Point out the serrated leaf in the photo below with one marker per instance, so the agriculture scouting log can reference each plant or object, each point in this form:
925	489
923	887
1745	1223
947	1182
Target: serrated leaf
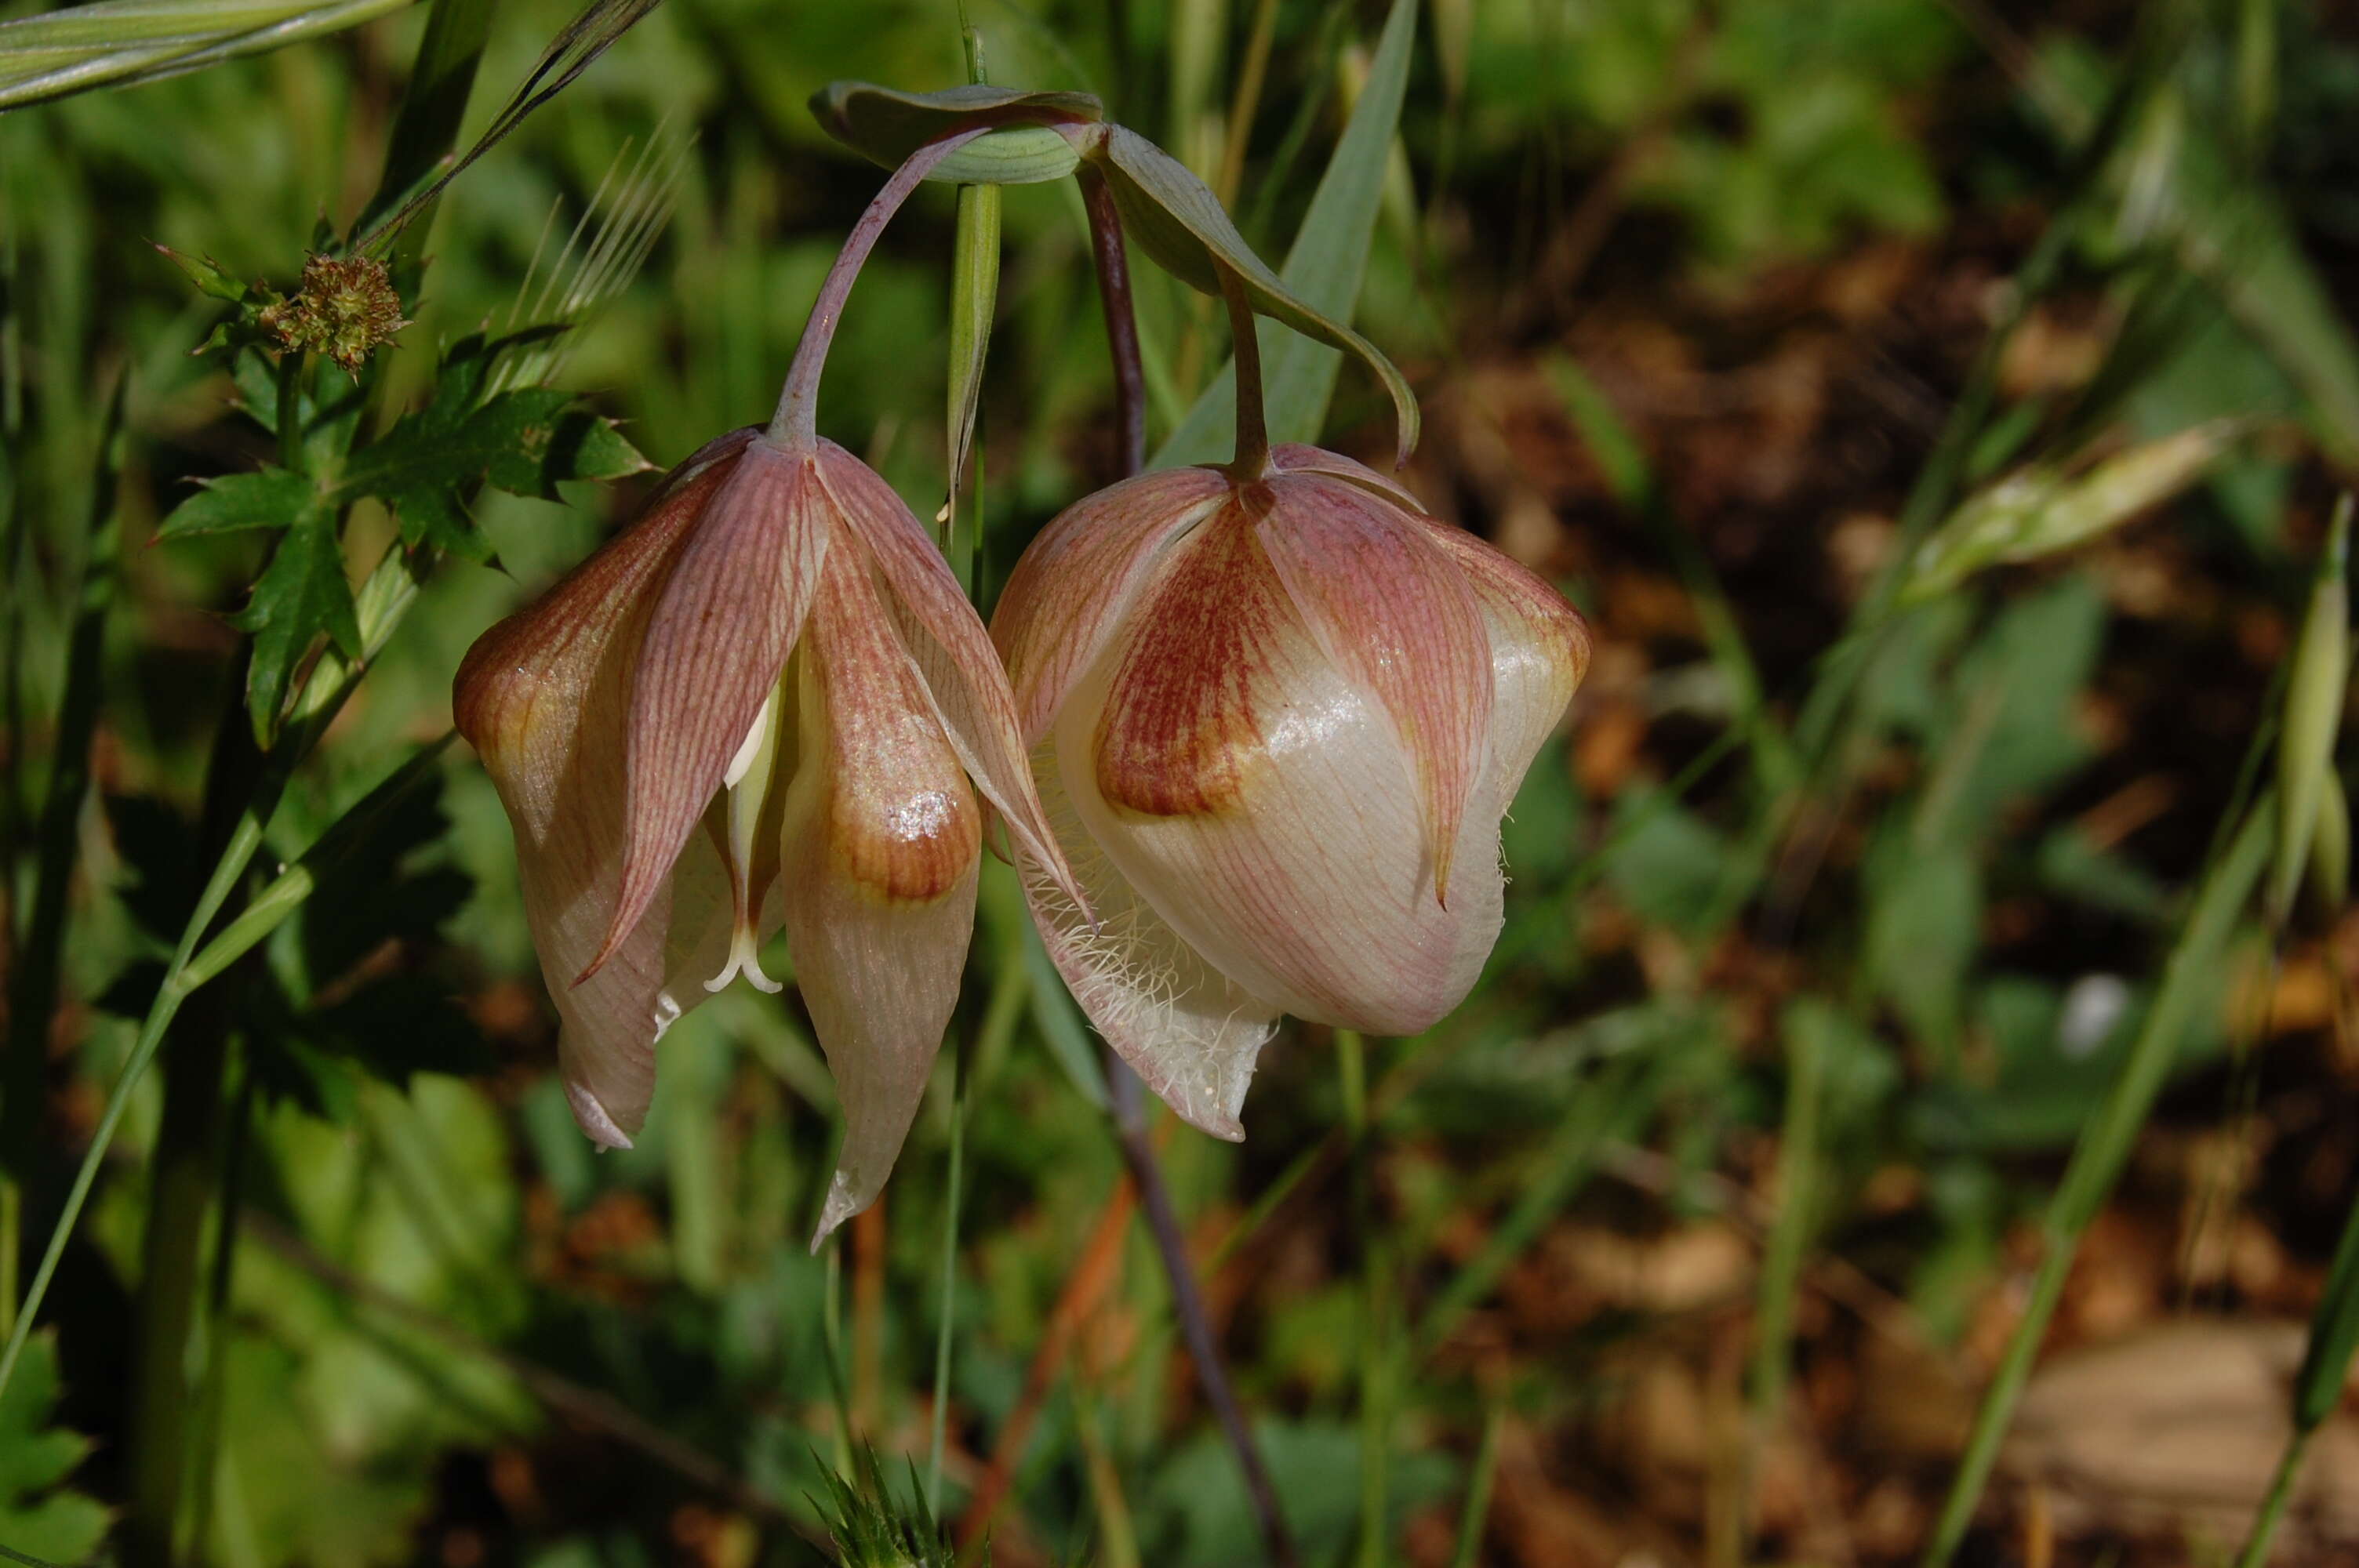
524	441
240	503
541	436
300	595
1323	271
886	126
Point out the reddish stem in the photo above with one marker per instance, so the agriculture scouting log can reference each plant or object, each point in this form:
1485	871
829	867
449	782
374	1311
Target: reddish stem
1122	326
797	420
1253	432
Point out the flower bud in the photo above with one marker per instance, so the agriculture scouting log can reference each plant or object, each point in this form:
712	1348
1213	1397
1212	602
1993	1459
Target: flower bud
1275	721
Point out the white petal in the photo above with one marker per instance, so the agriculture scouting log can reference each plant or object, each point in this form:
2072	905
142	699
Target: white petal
963	679
1261	803
544	697
1189	1032
879	848
1077	577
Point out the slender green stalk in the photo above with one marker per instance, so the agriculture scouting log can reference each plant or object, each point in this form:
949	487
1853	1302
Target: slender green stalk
950	1207
183	1178
245	839
832	1337
2318	1387
2256	1553
1478	1490
33	980
222	1281
2104	1147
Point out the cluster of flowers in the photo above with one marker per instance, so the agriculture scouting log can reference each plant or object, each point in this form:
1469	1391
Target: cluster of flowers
1250	731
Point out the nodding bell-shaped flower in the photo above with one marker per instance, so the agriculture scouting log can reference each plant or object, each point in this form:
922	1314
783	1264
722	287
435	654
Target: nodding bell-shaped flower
768	701
1276	713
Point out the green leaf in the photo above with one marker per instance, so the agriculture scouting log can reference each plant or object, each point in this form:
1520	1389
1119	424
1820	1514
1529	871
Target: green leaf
524	441
974	297
273	498
1322	271
35	1458
301	594
886	126
1925	909
1177	221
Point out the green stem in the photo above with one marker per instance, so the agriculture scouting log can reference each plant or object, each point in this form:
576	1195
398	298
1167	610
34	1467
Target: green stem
2264	1523
831	1338
187	969
33	981
1478	1491
183	1173
2104	1147
222	1281
949	1286
2318	1387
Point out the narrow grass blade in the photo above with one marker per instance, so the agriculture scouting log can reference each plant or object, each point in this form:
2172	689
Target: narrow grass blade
383	603
39	947
974	298
125	43
2313	712
2317	1388
1323	269
1477	1511
569	54
2104	1147
440	80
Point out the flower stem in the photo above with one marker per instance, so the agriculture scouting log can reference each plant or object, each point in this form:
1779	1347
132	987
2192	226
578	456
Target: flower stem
941	1417
1253	430
1121	319
797	421
1187	1305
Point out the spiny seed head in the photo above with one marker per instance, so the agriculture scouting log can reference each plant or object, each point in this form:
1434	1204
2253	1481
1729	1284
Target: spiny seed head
344	310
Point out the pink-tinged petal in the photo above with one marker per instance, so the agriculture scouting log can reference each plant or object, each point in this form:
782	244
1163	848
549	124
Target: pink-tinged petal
728	614
1396	617
1255	798
543	697
945	639
1539	652
1187	1031
1293	457
879	847
1078	578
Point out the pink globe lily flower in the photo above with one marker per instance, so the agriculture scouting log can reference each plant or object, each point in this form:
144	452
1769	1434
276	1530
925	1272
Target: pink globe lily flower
768	701
1276	713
